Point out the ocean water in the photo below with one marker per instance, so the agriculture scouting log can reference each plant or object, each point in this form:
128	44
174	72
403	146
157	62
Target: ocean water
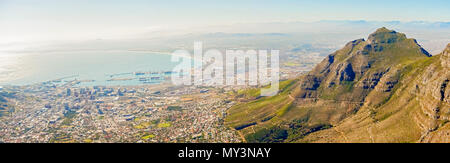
99	67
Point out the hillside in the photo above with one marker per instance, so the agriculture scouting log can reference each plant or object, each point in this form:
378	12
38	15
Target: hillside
5	108
383	89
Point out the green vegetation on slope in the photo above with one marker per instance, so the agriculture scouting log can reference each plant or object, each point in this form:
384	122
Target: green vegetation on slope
262	109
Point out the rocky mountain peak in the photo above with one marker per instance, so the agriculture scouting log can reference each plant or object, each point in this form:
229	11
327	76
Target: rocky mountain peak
384	35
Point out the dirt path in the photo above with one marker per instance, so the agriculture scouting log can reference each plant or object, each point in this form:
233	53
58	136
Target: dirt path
292	98
342	134
242	137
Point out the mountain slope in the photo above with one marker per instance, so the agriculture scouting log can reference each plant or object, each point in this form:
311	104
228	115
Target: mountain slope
418	111
365	84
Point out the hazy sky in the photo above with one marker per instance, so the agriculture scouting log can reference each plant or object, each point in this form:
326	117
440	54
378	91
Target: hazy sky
32	20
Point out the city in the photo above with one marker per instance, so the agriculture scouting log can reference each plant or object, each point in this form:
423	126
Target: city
159	113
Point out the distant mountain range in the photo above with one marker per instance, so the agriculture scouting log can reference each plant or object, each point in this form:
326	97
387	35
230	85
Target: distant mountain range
383	89
281	35
407	23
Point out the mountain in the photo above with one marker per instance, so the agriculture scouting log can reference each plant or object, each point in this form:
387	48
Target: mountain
383	89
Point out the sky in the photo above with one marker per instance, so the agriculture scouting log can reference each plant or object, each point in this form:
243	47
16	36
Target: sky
39	20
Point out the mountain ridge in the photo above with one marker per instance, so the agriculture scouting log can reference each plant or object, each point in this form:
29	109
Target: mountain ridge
359	80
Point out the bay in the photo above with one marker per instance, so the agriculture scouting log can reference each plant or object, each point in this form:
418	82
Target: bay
90	67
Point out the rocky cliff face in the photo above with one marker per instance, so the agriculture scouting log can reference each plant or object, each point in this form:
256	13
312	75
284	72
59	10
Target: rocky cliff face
433	94
445	57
